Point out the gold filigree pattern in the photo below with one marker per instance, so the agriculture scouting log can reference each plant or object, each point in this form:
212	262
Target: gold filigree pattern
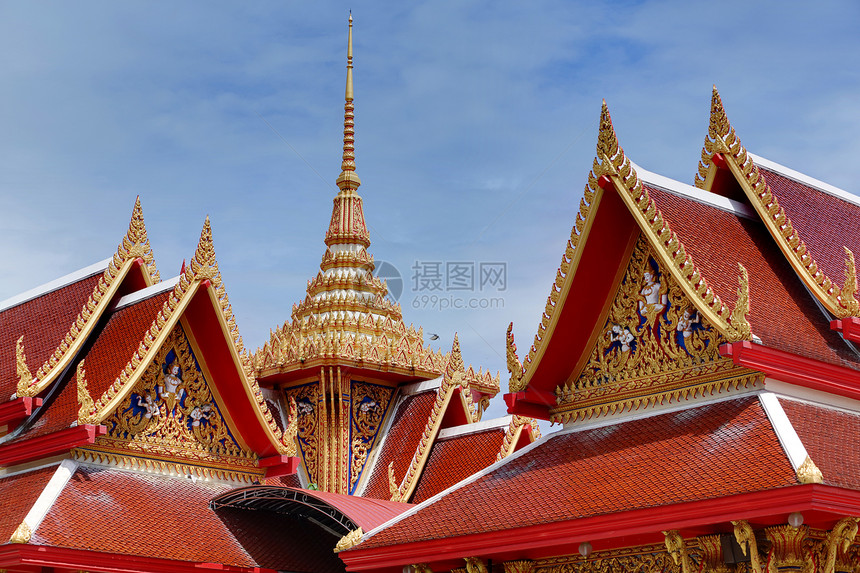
475	565
173	414
721	138
808	472
646	559
654	340
306	400
745	536
523	566
838	540
370	402
612	163
25	378
513	433
134	245
87	412
349	540
22	534
452	380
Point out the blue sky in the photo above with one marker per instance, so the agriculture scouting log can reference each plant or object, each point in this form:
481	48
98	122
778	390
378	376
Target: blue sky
475	131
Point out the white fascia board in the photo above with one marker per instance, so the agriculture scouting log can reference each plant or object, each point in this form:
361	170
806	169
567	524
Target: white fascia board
147	292
693	193
475	427
805	179
785	432
55	284
418	387
49	495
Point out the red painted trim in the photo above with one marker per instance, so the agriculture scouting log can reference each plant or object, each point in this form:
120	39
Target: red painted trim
532	402
719	161
795	369
34	556
16	410
49	444
825	504
850	328
279	465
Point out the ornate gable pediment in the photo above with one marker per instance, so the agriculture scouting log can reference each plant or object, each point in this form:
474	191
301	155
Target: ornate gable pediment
171	420
654	346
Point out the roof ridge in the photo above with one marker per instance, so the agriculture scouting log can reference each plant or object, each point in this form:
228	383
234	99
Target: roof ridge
805	179
694	193
146	293
723	140
475	427
54	285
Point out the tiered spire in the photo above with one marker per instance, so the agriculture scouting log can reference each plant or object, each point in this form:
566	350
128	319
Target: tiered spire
346	318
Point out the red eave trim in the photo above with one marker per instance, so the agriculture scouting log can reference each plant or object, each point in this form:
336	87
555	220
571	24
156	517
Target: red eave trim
849	327
561	537
16	410
21	555
277	466
795	369
50	444
531	402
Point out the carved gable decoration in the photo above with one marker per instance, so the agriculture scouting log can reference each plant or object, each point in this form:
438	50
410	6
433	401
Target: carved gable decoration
306	397
370	402
172	415
322	428
655	346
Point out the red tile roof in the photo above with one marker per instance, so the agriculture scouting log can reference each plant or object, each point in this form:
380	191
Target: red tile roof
825	222
166	517
18	493
400	442
454	459
782	312
726	448
366	512
43	321
825	433
108	355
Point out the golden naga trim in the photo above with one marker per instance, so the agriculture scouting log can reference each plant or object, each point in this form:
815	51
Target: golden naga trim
87	413
203	266
721	138
167	466
839	539
452	379
134	245
677	549
614	164
349	540
808	472
513	433
22	534
25	378
745	536
515	367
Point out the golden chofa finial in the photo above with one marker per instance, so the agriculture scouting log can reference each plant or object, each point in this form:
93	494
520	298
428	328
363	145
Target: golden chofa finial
348	180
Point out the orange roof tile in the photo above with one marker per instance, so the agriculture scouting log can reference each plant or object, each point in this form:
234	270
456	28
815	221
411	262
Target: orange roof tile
43	321
454	459
164	517
782	313
109	354
18	493
727	448
400	442
824	433
825	222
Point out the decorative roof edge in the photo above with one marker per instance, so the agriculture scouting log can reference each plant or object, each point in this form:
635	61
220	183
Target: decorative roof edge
56	284
722	139
805	179
790	441
514	431
203	267
134	245
453	379
611	166
64	472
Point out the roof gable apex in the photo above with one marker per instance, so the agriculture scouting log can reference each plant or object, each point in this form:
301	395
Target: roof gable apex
723	150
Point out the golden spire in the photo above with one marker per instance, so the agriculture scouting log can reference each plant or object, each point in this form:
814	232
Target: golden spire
348	180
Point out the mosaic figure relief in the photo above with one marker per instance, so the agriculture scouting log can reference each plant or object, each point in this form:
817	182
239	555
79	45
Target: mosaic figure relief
172	412
369	404
651	328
